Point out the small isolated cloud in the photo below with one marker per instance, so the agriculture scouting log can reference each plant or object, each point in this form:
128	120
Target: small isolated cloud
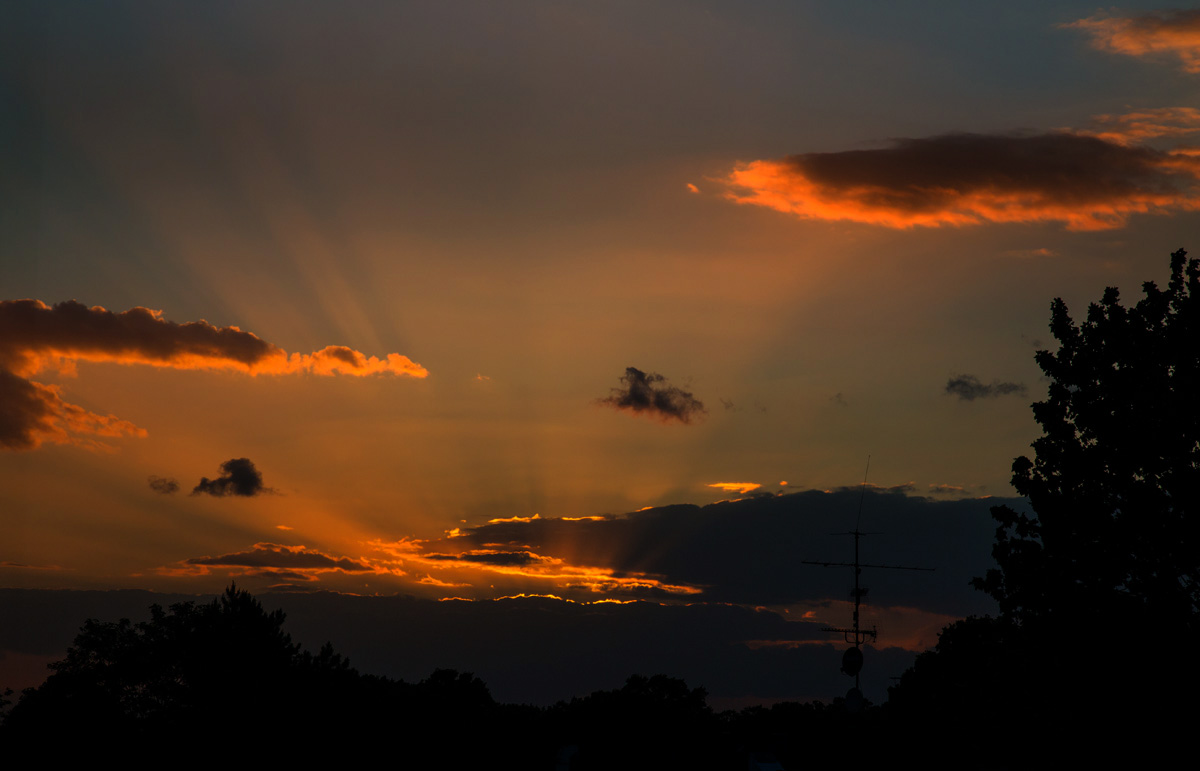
650	394
1083	181
1036	252
692	188
736	487
164	485
1156	33
36	337
969	388
239	477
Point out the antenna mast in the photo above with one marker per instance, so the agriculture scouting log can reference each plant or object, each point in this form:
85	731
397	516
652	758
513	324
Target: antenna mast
852	659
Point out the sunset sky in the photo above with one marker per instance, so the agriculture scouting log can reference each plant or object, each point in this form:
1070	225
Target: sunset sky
434	298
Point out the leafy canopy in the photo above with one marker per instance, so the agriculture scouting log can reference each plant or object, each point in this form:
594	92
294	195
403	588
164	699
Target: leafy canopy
1115	480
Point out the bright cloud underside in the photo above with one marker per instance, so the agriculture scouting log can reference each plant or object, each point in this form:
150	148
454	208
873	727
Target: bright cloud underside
736	487
35	337
1082	180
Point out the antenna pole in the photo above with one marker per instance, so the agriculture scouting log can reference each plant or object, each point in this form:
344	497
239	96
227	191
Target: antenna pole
852	660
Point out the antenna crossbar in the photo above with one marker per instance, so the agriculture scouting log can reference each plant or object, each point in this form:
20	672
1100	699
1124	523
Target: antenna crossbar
862	565
857	636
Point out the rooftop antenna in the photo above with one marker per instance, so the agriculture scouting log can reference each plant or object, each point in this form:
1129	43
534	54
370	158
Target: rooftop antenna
852	659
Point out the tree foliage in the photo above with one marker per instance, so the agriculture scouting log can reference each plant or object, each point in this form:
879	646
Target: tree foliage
186	668
1115	480
201	671
1099	590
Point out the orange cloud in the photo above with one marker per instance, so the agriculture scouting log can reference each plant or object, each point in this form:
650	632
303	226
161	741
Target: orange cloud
525	564
736	487
431	581
32	413
514	519
1172	33
1134	127
1084	181
35	336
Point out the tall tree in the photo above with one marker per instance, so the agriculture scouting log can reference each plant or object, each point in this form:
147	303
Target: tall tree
1099	590
1115	480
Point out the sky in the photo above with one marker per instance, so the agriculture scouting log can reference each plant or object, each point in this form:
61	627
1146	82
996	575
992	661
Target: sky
601	302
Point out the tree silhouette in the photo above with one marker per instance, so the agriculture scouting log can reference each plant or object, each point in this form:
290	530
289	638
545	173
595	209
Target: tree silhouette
228	669
192	668
1099	591
1115	480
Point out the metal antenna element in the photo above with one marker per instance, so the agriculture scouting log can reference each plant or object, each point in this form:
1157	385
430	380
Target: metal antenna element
852	660
862	493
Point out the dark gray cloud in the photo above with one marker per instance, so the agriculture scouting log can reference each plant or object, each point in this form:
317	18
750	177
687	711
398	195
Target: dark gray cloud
272	555
282	575
1033	342
490	557
164	485
540	650
650	394
969	388
1086	182
750	550
240	477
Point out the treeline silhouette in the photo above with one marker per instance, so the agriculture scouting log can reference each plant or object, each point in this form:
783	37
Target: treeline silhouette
228	668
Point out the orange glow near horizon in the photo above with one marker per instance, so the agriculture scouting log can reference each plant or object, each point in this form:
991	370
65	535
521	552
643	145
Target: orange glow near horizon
899	626
534	566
